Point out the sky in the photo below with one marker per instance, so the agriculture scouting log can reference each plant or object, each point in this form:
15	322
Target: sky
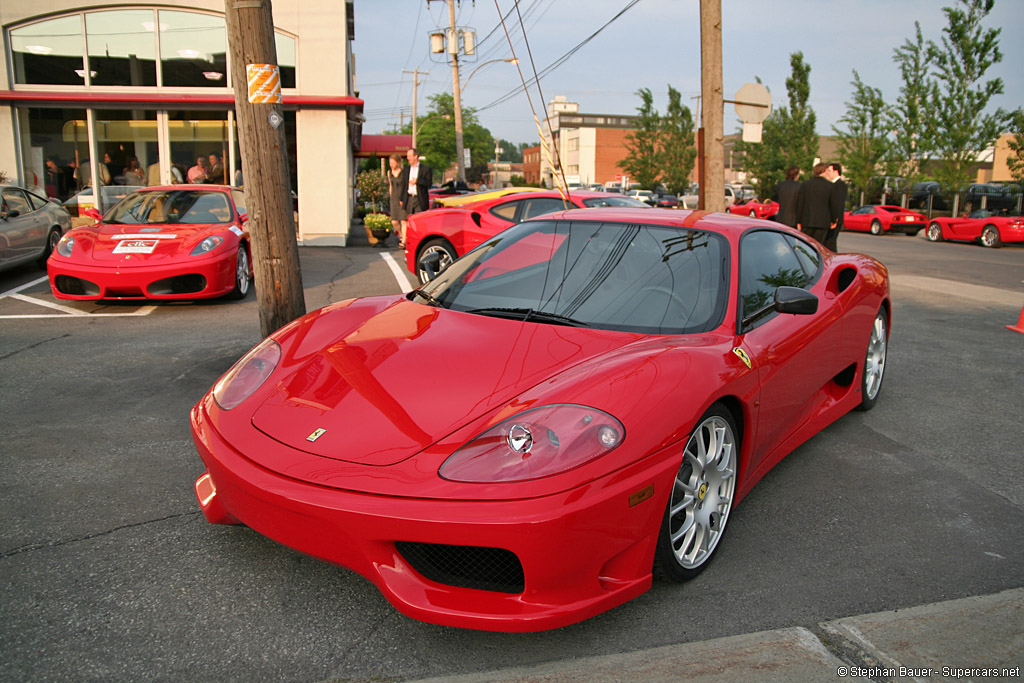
653	44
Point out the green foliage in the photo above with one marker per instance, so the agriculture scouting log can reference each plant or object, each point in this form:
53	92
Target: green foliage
863	144
435	135
377	221
788	136
911	144
373	187
517	181
958	95
677	151
1016	162
641	163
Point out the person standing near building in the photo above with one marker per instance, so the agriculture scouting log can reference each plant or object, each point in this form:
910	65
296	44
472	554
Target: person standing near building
816	206
834	173
397	193
418	179
785	195
215	174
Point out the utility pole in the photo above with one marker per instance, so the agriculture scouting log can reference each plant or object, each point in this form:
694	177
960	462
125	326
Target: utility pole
415	99
712	182
453	50
275	254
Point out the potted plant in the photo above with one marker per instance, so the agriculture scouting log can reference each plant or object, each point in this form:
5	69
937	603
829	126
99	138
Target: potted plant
379	226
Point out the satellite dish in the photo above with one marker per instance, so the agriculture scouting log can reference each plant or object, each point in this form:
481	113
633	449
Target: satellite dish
753	103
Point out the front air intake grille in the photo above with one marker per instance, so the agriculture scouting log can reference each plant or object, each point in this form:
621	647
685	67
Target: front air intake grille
464	566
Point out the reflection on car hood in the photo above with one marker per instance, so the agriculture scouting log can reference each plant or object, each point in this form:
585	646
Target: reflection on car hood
135	244
386	378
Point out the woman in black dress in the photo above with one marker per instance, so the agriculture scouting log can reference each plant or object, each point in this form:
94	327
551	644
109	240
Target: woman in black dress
398	194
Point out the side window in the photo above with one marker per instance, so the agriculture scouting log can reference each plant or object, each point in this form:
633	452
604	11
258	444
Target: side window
863	210
15	200
538	206
769	260
239	198
37	201
506	210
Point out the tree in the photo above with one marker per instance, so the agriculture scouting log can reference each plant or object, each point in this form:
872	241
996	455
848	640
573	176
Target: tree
641	162
959	97
677	151
435	134
862	144
911	144
788	136
1016	162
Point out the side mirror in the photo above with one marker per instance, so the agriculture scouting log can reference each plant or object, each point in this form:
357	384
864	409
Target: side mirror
13	213
432	264
796	301
93	214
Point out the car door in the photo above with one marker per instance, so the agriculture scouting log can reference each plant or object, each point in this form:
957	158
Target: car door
966	228
24	228
794	355
859	219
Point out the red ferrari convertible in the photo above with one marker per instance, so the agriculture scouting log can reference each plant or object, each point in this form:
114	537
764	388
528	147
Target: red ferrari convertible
990	228
879	218
614	382
448	233
175	242
755	209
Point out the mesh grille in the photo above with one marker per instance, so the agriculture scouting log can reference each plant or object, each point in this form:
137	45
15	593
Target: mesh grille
491	569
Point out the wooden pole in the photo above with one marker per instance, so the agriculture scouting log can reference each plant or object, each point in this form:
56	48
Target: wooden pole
275	254
712	182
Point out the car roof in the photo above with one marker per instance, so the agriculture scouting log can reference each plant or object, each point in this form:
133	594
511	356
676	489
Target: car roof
726	223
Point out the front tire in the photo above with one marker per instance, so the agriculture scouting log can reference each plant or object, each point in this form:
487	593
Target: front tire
876	227
874	362
439	246
243	274
934	232
701	500
990	237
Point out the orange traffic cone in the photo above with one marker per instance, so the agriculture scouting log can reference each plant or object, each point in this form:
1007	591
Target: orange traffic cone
1020	324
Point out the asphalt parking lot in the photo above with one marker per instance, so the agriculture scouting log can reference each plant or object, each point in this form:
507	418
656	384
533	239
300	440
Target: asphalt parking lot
110	572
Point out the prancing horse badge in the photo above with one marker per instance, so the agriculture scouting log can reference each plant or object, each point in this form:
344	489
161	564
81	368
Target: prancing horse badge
316	435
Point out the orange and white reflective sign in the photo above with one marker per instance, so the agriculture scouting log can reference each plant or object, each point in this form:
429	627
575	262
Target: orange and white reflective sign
264	83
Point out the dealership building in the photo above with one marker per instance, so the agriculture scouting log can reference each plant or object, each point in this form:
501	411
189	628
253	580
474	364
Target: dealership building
88	84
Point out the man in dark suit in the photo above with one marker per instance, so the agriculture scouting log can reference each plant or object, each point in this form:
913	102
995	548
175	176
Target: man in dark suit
785	195
834	174
817	209
418	179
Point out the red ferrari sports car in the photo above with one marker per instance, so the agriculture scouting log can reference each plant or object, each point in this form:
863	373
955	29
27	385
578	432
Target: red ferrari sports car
615	381
448	233
877	219
174	242
755	209
991	229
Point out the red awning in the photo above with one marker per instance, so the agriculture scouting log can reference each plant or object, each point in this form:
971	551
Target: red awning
384	145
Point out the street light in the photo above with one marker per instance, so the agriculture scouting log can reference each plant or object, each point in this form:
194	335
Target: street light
511	60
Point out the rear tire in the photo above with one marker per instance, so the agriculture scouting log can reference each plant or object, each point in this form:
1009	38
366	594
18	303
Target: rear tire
437	245
51	243
990	237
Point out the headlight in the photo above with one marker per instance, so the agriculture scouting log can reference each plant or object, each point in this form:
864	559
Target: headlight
247	375
66	245
208	244
536	443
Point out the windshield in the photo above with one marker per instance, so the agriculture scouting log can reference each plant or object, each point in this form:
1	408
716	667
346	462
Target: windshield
614	200
171	207
606	275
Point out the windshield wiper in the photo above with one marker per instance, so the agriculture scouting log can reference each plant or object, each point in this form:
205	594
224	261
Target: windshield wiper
527	314
429	298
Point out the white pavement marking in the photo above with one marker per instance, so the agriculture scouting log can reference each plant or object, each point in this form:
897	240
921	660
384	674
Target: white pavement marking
67	311
403	281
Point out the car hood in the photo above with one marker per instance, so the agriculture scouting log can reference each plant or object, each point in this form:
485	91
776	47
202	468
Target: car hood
375	381
145	243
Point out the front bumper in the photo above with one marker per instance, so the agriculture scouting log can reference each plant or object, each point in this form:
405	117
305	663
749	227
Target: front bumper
581	552
203	277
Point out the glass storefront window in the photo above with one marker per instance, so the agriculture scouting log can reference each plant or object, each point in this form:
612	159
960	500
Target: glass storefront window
193	49
49	52
122	47
51	150
199	143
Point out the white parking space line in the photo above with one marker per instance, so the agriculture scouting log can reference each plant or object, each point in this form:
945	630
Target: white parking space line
66	311
403	281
